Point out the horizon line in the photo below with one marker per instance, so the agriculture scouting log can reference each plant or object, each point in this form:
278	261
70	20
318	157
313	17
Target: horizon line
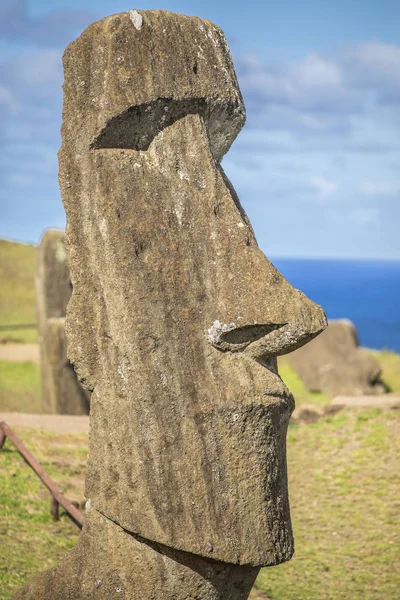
272	256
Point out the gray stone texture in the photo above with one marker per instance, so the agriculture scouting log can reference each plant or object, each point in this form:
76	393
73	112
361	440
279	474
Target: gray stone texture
175	320
334	363
61	391
108	563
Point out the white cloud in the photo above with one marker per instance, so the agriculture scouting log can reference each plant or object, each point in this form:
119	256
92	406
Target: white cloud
309	83
21	180
323	186
365	217
375	65
7	99
39	68
30	96
58	27
379	188
322	94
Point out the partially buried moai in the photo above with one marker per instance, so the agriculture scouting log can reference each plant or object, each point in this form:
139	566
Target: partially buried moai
175	322
61	391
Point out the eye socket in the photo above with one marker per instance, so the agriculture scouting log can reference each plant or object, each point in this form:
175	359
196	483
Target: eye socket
137	126
249	333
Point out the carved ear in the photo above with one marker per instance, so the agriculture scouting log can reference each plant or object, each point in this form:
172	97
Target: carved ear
137	126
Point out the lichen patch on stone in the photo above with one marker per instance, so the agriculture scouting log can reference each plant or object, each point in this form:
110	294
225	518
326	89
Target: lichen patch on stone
136	19
216	329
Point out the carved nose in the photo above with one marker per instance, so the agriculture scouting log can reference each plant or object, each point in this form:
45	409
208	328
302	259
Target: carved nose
262	340
308	321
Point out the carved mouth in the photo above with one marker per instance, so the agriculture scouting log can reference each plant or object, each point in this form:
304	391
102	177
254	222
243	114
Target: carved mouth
278	390
281	396
251	340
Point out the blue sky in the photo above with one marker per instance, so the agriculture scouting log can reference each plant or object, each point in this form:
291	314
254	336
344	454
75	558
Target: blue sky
317	164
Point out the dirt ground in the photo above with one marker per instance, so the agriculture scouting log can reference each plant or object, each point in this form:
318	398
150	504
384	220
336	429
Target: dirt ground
20	352
53	423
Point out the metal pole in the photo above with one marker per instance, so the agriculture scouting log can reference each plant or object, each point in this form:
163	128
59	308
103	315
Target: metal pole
54	509
2	438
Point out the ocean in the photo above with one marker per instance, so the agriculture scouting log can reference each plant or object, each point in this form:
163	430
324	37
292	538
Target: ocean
365	291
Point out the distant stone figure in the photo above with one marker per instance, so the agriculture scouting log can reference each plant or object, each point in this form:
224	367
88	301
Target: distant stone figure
61	391
175	322
334	363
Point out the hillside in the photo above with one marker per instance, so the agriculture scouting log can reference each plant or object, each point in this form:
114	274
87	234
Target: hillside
17	290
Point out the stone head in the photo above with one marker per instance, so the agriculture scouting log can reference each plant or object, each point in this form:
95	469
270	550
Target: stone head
176	316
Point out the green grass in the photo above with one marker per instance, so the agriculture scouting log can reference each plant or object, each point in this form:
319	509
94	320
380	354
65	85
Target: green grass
297	387
345	502
30	540
17	290
19	387
390	363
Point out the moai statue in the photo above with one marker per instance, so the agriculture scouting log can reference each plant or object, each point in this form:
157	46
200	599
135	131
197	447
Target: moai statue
175	322
61	391
335	363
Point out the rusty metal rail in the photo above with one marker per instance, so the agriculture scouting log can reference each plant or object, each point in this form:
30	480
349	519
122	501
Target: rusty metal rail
57	497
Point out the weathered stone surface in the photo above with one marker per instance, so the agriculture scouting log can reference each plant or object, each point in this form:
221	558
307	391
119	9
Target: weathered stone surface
334	363
61	391
67	395
176	316
109	563
53	283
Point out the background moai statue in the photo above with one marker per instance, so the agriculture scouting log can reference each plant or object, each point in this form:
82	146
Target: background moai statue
175	322
334	363
61	391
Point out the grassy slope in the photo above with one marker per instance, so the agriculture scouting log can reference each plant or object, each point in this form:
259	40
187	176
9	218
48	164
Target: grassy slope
19	387
30	540
390	363
17	293
297	387
345	508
